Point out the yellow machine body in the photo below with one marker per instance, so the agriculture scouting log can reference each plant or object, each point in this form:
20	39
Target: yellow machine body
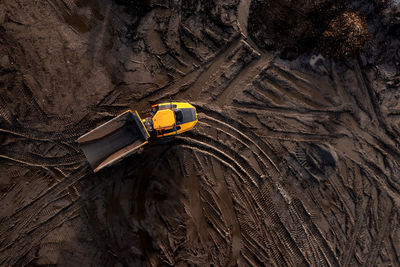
173	118
127	133
164	119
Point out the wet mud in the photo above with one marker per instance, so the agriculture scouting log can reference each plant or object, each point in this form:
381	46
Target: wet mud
292	163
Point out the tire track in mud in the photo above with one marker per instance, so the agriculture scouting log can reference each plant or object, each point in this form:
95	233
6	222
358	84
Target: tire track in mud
372	100
244	77
202	76
381	235
236	133
239	130
263	168
223	193
284	85
265	160
64	139
23	246
16	224
240	200
192	79
84	193
358	223
185	53
5	112
36	160
219	75
315	237
18	246
257	108
26	130
68	135
322	244
233	184
43	215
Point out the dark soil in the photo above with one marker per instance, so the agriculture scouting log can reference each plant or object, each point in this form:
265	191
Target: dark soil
295	160
291	26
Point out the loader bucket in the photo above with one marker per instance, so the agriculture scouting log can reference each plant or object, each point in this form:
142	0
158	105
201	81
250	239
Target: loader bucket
114	140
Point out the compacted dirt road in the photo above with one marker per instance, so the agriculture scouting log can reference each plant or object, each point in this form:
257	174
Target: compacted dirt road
293	162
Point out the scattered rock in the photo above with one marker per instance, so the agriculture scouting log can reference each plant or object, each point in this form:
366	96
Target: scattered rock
4	62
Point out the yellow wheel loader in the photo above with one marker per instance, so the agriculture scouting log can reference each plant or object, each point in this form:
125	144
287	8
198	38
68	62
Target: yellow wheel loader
126	133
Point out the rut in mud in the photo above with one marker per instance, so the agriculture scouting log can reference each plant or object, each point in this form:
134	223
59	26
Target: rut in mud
292	163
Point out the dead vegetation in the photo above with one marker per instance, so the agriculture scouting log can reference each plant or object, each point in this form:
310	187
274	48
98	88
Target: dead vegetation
290	26
294	27
346	35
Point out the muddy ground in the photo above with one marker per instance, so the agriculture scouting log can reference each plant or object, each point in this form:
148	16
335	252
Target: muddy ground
293	162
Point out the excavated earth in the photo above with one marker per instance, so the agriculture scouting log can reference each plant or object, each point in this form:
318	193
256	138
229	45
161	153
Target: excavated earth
293	162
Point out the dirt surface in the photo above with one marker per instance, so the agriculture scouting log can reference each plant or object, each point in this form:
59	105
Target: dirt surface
293	162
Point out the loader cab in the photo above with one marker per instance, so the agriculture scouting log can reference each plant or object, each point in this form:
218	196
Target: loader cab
173	118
